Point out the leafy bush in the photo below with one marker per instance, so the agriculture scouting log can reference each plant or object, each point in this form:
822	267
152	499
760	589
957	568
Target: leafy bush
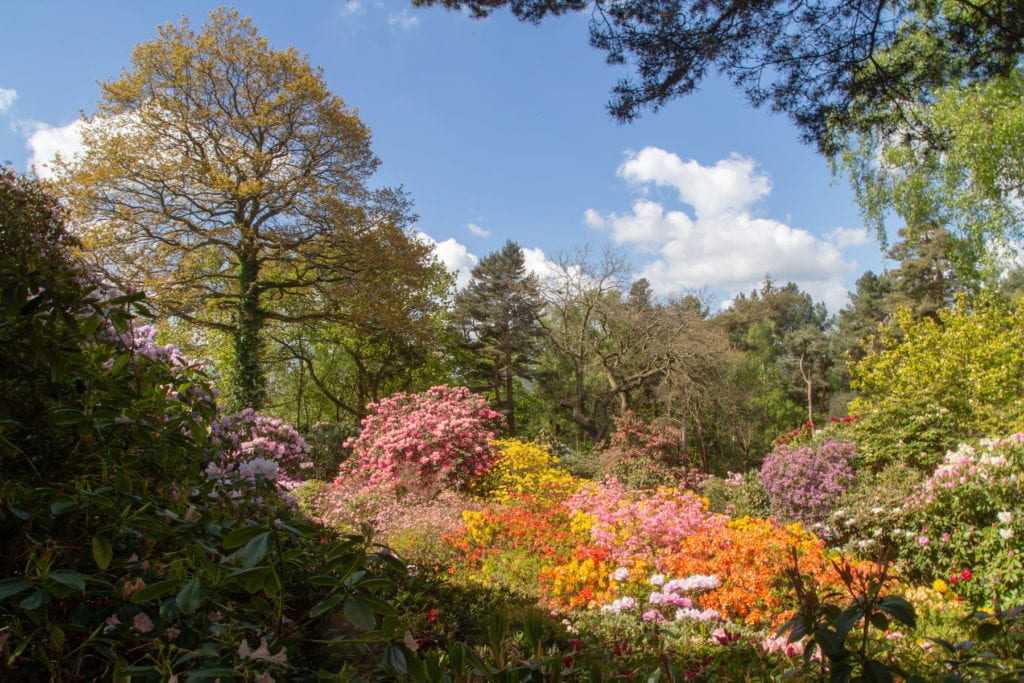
927	385
965	522
326	447
804	484
123	556
521	468
438	439
644	456
736	495
870	517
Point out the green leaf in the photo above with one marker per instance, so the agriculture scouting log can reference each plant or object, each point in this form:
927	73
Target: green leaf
61	504
847	620
102	551
13	586
879	621
37	599
359	614
380	606
252	579
253	551
68	578
156	590
56	636
877	672
239	537
191	597
393	660
900	609
325	606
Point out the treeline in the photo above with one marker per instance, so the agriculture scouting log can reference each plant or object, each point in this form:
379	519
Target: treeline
225	180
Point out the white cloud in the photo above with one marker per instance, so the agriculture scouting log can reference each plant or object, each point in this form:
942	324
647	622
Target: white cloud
404	20
46	141
849	237
727	187
478	231
7	98
539	264
351	7
724	245
455	257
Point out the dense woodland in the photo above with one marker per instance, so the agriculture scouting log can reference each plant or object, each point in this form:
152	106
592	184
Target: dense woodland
249	429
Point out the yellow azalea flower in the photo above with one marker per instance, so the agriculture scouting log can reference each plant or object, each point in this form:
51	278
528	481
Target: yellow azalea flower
939	586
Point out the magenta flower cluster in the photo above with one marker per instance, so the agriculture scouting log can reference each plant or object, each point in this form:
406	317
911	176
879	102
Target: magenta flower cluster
439	438
804	484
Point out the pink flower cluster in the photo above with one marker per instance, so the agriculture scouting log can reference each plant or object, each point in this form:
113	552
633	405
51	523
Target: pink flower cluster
439	438
249	437
632	523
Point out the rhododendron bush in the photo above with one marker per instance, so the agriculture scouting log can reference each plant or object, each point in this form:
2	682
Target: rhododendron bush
965	523
122	557
804	483
440	438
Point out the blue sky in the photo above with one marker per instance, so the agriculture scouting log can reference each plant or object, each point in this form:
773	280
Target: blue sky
498	130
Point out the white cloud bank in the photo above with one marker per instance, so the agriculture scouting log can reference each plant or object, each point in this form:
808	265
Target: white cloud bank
455	257
721	243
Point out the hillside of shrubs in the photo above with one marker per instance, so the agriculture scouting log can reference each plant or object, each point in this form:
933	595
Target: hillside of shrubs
153	535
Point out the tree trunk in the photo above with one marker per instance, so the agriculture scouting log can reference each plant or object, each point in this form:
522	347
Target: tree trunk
249	387
509	401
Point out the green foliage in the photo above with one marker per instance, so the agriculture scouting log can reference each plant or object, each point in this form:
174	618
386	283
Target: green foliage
122	556
870	517
737	495
931	384
842	636
965	180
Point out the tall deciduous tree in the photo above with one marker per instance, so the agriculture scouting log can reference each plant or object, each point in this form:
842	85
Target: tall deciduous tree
225	178
499	309
958	167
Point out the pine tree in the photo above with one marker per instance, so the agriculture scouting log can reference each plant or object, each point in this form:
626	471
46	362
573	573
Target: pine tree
498	311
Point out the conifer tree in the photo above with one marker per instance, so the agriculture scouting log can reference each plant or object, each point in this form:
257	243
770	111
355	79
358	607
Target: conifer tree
498	311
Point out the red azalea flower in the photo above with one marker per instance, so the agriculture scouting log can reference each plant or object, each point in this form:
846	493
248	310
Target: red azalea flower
966	575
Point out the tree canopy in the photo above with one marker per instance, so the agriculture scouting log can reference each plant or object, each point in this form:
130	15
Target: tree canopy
225	178
825	64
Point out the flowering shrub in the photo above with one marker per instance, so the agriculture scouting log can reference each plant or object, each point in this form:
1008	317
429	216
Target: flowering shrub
254	442
121	559
645	456
631	524
440	438
522	468
749	556
803	484
965	522
508	544
867	519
